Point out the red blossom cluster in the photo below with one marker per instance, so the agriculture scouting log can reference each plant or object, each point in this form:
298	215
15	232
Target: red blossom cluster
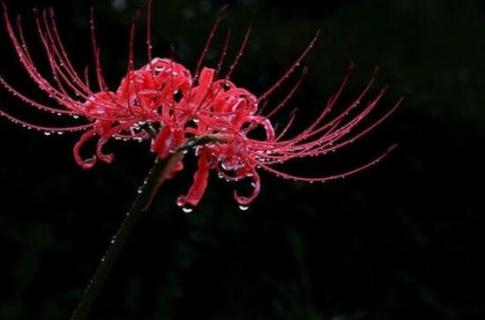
166	104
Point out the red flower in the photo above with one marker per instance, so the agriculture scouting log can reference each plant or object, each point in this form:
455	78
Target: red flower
164	103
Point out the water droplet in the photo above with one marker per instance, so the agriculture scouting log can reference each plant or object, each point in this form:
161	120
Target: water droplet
187	209
47	133
243	208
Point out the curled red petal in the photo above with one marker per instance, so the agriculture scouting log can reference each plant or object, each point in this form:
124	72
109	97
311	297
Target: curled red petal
106	157
84	163
106	131
162	143
256	185
266	124
205	81
199	185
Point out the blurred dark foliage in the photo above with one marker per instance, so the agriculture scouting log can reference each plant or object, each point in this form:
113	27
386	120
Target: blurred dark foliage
403	240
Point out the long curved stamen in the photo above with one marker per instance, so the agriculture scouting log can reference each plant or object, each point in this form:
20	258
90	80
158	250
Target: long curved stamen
96	53
223	52
290	94
64	57
240	52
29	125
212	33
292	69
330	177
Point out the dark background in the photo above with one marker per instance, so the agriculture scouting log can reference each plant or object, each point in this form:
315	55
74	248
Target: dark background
403	240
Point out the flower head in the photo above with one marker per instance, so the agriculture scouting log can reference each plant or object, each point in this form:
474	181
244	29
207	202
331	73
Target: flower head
166	104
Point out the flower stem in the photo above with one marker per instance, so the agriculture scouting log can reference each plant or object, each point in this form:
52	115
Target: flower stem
155	177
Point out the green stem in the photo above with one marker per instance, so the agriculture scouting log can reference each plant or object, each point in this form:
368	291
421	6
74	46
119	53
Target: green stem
155	177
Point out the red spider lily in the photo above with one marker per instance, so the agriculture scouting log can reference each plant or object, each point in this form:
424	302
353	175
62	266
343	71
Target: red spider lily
166	104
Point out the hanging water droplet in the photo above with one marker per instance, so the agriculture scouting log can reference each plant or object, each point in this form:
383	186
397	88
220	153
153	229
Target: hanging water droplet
243	208
187	209
47	133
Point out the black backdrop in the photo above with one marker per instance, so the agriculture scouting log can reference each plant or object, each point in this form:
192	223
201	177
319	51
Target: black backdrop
402	240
